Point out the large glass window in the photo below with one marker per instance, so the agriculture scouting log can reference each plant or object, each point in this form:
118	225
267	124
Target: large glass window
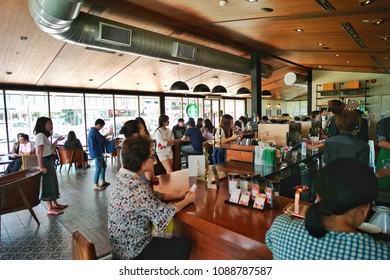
100	106
297	108
215	112
207	110
126	108
240	108
229	108
150	112
23	109
173	109
67	113
3	135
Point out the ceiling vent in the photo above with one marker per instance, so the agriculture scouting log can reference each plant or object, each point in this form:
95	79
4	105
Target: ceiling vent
325	5
183	51
99	50
349	29
115	35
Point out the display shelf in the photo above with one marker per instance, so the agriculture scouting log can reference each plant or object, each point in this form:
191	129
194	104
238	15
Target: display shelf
352	90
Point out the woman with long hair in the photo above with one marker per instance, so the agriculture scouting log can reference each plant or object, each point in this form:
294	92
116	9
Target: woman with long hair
164	142
345	190
142	121
224	134
50	193
207	130
199	123
74	143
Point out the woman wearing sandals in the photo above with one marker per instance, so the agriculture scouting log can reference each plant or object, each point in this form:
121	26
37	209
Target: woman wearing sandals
50	193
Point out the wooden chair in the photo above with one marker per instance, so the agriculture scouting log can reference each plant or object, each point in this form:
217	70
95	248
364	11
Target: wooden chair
19	191
84	249
70	156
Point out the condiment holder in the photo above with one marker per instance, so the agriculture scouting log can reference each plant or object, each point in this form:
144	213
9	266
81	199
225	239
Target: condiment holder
381	218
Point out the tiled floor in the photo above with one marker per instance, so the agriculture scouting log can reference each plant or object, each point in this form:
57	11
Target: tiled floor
22	239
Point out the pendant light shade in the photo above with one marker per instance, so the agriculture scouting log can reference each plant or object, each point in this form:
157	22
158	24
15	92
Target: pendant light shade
219	89
266	93
179	85
243	90
201	88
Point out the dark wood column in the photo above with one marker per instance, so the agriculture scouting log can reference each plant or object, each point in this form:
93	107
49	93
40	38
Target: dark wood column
256	83
309	91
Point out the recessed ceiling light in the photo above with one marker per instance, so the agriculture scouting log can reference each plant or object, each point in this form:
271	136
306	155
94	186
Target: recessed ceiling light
298	30
251	1
267	10
8	72
91	80
319	66
320	44
347	61
384	38
366	20
337	54
377	21
365	2
23	38
386	58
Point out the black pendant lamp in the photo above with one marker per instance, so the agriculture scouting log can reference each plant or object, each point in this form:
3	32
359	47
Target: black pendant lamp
266	93
219	89
179	86
243	90
201	88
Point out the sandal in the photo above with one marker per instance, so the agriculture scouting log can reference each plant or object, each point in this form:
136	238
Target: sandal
60	206
99	188
54	212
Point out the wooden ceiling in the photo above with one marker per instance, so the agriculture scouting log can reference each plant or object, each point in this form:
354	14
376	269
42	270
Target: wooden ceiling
240	27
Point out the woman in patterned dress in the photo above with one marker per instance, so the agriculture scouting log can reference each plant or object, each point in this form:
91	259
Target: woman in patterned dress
136	210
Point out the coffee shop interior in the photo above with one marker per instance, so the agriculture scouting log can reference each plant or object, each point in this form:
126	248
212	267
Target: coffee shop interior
76	61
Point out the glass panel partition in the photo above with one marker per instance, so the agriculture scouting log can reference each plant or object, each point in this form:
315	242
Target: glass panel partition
100	106
23	109
67	113
150	112
126	108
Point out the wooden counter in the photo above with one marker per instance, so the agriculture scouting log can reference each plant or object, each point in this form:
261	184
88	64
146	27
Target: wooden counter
219	230
239	152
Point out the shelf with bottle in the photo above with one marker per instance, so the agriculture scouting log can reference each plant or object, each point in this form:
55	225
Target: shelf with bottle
351	93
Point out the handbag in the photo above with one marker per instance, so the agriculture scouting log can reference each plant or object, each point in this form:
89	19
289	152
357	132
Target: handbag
110	147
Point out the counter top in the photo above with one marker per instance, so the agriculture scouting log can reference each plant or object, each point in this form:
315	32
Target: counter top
264	171
220	230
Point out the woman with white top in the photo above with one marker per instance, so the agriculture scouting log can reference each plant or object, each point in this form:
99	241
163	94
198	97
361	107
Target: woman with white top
25	148
45	149
224	134
164	142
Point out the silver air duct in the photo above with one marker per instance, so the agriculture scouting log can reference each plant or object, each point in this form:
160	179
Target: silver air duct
63	20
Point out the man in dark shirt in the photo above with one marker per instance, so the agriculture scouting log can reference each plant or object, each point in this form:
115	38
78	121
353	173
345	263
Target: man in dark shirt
179	127
346	145
335	107
195	136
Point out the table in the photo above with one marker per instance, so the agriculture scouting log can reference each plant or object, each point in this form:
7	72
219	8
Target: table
220	230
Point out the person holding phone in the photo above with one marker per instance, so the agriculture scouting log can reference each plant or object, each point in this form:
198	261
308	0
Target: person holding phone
44	148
